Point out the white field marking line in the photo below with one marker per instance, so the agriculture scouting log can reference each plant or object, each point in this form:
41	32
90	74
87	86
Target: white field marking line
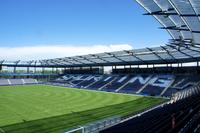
98	91
138	95
24	85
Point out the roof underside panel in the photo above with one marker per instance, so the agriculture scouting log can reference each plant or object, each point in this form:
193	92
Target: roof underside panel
156	55
179	17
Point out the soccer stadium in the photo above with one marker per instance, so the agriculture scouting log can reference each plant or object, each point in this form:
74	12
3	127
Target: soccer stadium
147	90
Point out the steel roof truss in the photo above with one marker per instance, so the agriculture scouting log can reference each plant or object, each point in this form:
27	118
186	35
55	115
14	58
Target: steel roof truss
98	57
182	52
87	59
132	54
113	55
159	57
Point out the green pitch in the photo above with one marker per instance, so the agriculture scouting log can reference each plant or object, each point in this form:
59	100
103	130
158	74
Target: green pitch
45	109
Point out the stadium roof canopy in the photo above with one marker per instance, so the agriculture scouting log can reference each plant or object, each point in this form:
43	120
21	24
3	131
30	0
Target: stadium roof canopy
157	55
181	18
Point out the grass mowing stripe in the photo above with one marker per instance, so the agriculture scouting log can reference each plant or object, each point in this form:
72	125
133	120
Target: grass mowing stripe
2	131
31	100
71	120
52	109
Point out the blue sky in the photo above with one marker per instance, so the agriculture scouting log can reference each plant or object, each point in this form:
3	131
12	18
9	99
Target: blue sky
27	23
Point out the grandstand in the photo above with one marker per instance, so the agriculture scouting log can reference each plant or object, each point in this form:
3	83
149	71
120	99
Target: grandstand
154	89
146	84
4	82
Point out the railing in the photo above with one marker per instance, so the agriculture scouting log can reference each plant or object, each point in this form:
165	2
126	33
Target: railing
96	126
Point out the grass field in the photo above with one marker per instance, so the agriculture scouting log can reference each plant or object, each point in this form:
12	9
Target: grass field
45	109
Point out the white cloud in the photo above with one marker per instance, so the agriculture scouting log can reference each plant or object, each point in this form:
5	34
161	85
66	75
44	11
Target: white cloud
55	51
